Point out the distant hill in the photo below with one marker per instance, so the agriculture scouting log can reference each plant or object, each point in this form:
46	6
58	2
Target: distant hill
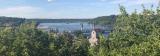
104	20
57	20
14	21
10	21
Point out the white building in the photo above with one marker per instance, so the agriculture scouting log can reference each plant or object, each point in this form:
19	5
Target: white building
93	39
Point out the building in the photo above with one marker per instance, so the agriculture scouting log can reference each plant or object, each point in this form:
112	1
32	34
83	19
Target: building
93	39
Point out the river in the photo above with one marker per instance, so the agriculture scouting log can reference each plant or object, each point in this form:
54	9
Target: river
61	27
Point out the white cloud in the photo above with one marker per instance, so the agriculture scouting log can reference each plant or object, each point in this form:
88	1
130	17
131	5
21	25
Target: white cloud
20	11
26	12
118	1
50	0
134	2
103	0
146	1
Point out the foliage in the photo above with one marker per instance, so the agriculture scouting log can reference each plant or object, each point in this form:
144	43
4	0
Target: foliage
23	41
136	34
10	21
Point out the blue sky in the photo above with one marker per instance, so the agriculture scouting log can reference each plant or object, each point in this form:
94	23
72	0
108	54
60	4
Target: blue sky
68	8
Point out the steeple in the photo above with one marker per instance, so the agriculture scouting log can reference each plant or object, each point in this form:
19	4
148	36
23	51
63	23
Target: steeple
93	26
93	39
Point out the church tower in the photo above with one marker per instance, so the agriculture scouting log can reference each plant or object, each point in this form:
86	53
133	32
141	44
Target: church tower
93	39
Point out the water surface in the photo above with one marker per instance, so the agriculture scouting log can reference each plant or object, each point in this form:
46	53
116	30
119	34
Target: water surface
64	26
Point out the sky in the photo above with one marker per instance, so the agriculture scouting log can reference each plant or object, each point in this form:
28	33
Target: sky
58	9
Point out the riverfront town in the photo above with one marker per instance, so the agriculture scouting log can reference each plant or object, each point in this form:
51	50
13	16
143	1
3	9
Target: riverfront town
80	28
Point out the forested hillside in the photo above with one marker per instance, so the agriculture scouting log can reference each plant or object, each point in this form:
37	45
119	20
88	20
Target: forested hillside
10	21
105	20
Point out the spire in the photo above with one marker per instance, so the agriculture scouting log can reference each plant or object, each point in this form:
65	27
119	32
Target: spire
93	26
93	39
